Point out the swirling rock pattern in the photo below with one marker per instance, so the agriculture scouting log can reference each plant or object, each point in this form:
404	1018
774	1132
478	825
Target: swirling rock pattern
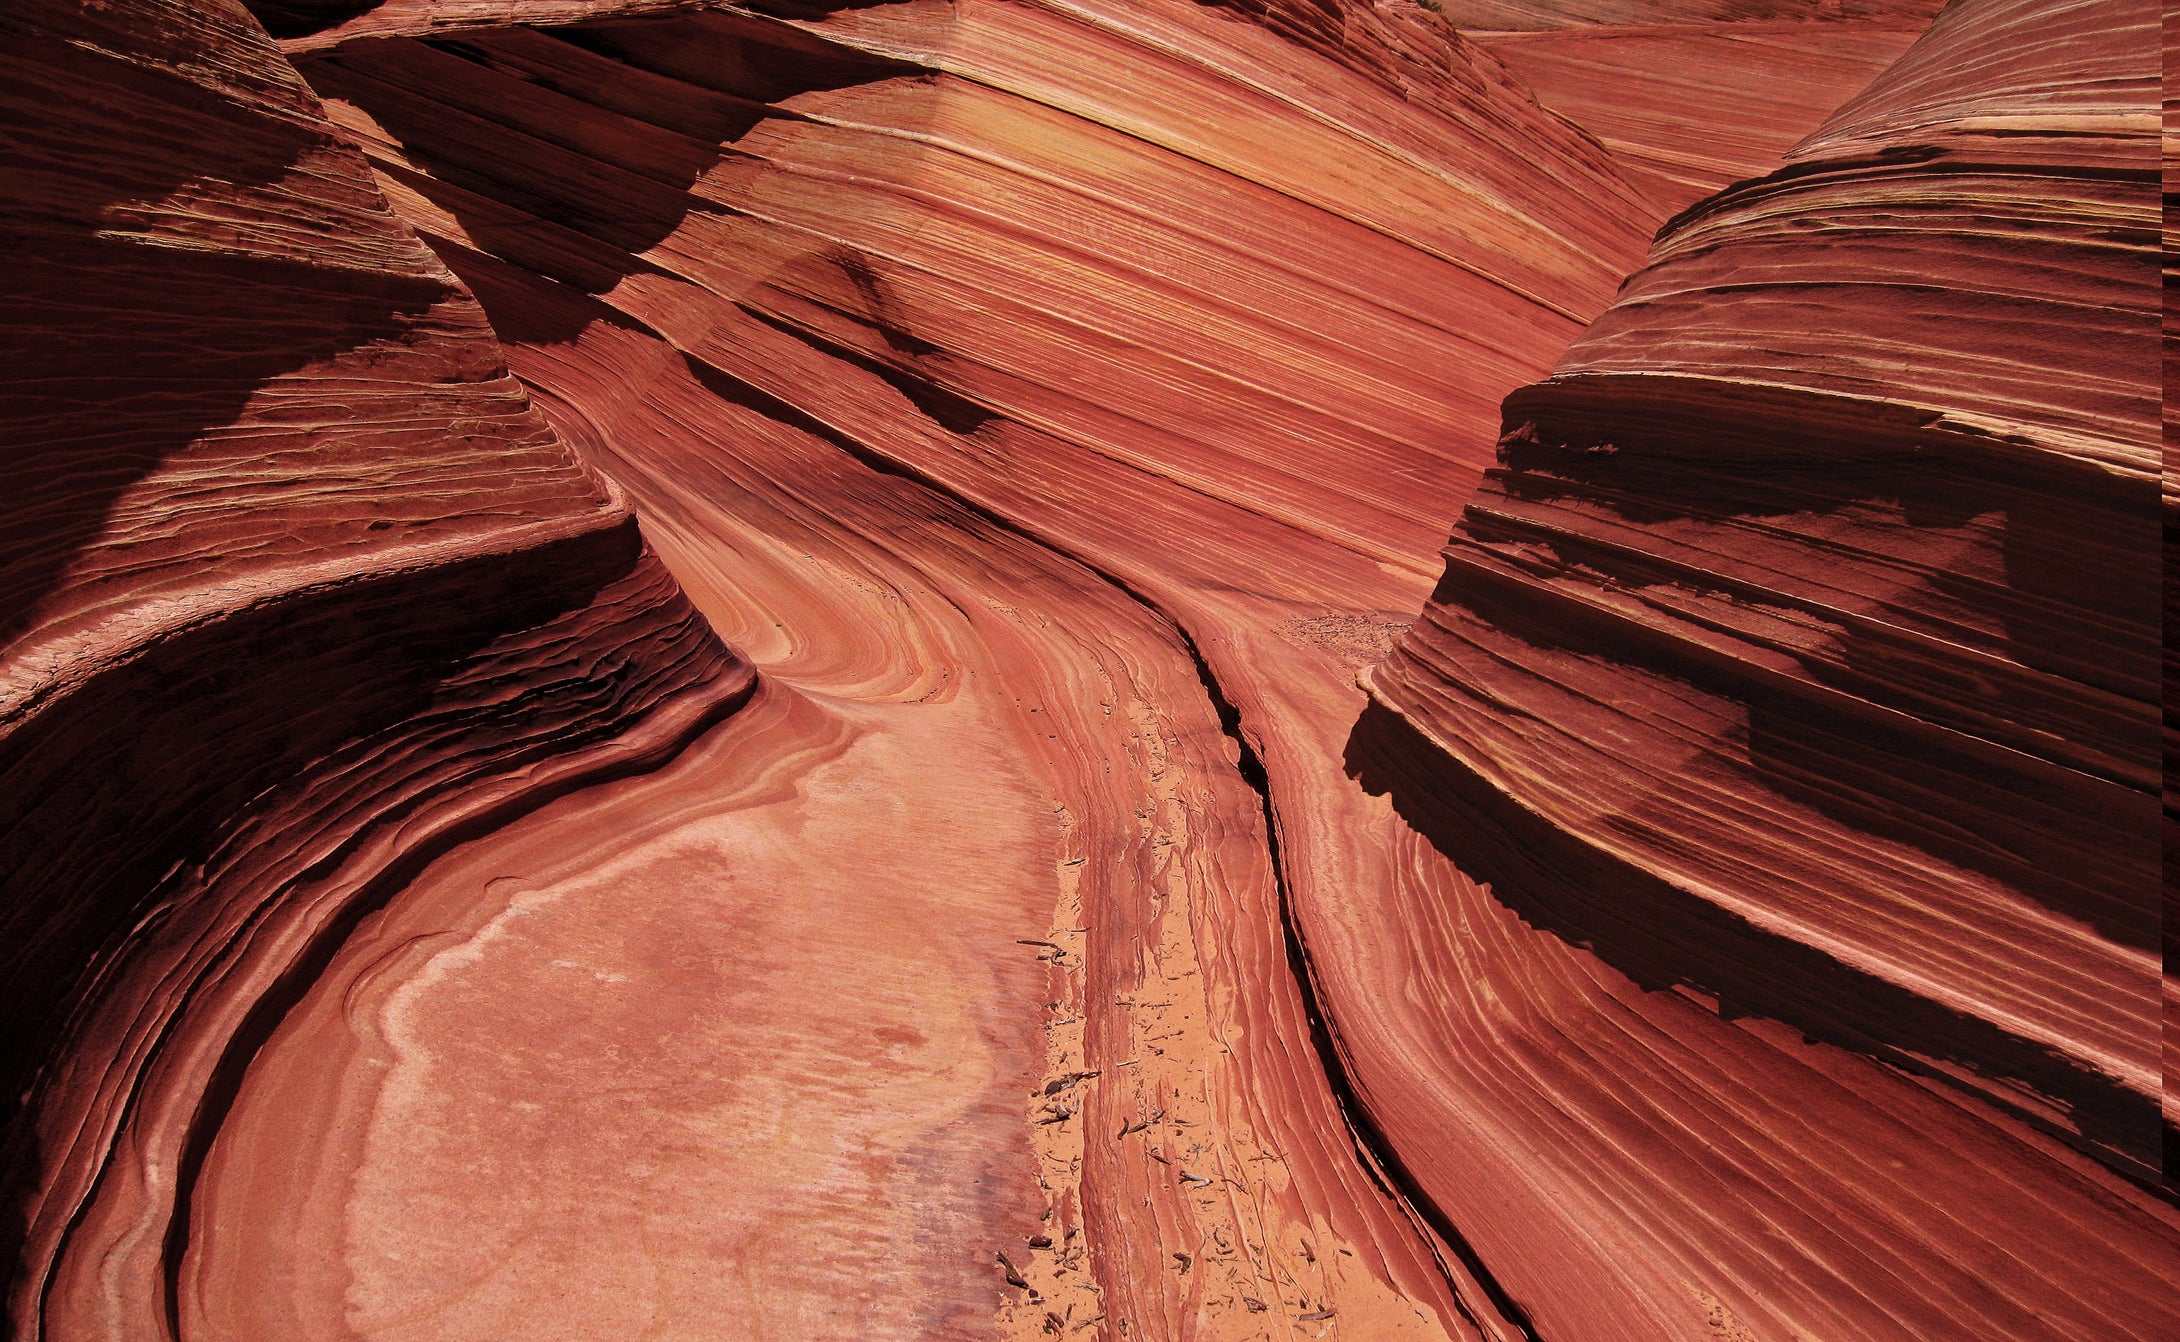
300	590
1059	404
957	381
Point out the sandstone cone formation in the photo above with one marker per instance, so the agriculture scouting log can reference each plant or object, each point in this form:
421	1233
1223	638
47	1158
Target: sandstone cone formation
1724	914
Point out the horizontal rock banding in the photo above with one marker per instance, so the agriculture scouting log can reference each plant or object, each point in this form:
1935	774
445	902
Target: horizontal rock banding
1811	596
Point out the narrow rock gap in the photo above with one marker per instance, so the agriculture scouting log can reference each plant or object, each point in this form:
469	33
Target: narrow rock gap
1374	1151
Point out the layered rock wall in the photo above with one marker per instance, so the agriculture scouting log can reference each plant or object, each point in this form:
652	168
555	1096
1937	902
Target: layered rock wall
1808	627
1726	921
299	590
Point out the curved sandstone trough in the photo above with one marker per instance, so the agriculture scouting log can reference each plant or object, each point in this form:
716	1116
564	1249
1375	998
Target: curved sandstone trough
1080	904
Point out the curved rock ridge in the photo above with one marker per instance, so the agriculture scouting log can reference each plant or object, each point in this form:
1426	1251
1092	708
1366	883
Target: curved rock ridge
1001	403
299	590
311	25
828	371
1804	641
1496	16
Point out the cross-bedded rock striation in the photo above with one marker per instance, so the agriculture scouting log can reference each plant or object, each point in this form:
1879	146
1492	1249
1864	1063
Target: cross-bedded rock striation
1808	626
299	590
1061	402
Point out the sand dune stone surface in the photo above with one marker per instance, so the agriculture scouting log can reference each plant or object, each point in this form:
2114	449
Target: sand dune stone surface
695	670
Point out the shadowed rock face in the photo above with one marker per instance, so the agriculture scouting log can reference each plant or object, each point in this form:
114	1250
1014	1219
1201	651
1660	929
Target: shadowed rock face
300	590
1727	921
1807	630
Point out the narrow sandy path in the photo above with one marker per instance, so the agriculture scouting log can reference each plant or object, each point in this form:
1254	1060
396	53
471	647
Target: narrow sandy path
760	1045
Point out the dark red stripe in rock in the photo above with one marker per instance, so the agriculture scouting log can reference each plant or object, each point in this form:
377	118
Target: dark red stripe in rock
298	591
1802	646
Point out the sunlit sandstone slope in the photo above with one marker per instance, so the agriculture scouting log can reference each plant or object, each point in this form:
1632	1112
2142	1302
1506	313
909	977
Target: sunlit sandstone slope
1059	405
1689	103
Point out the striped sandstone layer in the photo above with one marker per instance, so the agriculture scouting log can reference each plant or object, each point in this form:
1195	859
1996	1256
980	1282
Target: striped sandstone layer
1059	404
1802	649
299	590
867	274
959	382
1687	109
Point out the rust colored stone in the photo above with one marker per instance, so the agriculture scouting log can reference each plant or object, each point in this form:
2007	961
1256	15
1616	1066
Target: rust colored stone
1088	901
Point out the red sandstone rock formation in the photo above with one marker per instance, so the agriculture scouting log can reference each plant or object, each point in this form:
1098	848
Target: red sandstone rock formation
1060	404
958	383
300	591
2170	501
1688	108
1803	646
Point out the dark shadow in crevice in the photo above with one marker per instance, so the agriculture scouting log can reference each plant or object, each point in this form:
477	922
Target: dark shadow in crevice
1660	936
303	18
570	152
943	406
117	352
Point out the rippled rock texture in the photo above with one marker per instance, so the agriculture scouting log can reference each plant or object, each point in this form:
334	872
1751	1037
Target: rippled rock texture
1803	646
433	932
300	591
